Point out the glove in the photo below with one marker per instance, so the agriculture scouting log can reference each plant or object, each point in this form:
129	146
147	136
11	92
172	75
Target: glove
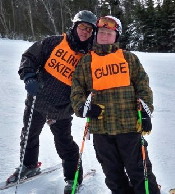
95	111
146	123
32	86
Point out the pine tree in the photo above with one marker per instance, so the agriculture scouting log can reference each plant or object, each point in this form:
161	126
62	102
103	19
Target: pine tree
149	27
135	28
164	28
146	26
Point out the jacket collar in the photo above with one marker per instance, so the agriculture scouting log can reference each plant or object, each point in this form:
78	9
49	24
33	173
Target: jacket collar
103	49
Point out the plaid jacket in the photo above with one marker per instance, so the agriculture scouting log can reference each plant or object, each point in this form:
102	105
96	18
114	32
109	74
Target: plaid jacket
120	115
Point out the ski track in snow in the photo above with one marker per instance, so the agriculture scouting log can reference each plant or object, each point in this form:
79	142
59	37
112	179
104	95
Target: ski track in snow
161	71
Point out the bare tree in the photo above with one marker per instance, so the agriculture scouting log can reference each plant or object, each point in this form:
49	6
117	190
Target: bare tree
3	19
61	13
30	17
13	12
48	6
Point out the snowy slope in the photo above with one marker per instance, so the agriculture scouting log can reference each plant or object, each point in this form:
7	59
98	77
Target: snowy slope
161	70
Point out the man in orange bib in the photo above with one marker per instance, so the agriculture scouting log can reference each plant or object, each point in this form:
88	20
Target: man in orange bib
47	68
118	85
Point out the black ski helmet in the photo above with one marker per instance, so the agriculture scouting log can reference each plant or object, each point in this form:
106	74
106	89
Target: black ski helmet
77	45
85	16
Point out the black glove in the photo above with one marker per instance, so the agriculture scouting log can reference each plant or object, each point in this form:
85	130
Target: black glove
94	112
32	86
146	122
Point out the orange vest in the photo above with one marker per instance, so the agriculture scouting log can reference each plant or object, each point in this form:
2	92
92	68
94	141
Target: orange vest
62	62
109	71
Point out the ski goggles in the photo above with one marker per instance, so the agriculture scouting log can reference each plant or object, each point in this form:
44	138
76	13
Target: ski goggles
88	29
107	23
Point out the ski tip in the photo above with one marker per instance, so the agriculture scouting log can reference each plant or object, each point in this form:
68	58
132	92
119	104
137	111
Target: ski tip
172	191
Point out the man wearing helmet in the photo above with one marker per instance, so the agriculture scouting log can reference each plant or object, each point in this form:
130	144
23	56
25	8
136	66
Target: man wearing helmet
47	68
116	80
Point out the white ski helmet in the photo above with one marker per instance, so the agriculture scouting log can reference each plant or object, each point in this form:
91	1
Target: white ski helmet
85	16
118	27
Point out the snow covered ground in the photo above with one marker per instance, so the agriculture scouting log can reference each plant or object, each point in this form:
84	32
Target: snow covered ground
161	70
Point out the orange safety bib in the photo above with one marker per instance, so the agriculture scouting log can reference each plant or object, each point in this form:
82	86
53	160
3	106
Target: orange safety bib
62	62
109	71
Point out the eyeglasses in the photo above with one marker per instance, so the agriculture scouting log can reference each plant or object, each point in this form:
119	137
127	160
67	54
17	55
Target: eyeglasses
107	23
88	29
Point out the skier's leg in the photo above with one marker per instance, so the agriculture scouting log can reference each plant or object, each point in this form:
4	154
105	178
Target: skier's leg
66	148
112	165
32	148
130	149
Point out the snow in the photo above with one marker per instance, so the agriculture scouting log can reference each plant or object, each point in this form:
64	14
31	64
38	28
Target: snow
161	71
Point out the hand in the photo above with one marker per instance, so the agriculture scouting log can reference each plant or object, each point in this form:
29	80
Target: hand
32	86
95	111
146	123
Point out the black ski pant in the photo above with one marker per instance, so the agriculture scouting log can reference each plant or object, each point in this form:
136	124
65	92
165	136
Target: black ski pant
121	159
66	148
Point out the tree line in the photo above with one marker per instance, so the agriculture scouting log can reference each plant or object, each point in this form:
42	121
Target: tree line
148	25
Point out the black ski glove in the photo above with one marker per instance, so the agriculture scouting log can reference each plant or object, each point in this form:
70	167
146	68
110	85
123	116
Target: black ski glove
146	123
32	86
95	111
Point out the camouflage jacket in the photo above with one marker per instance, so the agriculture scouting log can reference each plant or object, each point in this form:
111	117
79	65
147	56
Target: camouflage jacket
120	115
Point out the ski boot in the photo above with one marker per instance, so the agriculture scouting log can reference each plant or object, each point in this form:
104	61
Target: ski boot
68	187
26	172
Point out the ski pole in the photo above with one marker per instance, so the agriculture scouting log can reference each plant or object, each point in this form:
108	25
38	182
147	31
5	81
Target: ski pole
86	130
25	142
143	150
144	164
